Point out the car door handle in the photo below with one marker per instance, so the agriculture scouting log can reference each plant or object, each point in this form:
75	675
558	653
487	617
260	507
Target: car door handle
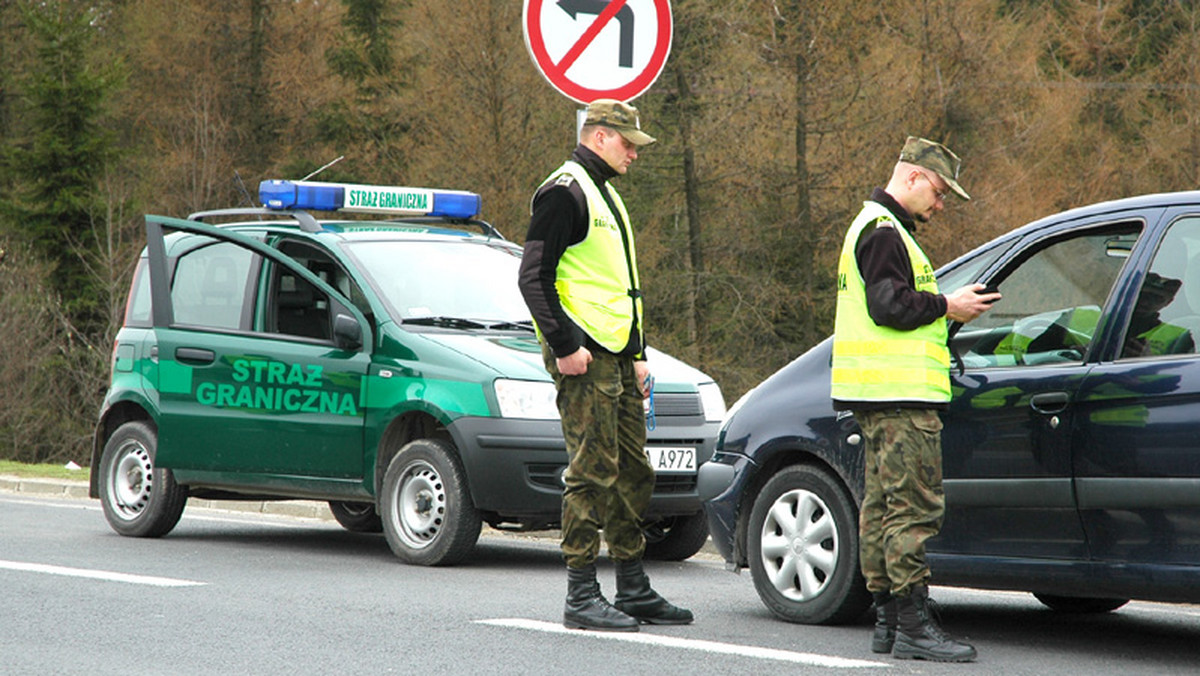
1049	402
194	355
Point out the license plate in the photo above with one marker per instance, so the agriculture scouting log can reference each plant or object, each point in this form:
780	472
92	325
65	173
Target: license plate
672	460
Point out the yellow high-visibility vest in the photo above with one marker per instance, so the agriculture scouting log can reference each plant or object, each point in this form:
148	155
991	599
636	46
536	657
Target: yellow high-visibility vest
597	278
873	363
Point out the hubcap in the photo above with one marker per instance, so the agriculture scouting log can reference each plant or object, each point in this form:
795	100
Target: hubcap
131	481
799	545
421	506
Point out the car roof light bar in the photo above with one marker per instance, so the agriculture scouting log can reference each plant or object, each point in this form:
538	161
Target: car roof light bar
376	199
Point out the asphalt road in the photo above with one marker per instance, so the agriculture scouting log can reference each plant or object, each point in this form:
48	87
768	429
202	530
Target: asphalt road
251	593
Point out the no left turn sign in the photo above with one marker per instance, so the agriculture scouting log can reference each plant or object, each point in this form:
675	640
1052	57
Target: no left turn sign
599	49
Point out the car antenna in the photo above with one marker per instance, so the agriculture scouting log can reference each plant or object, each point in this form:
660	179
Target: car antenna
245	193
339	158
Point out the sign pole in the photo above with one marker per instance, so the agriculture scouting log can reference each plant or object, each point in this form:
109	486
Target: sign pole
580	117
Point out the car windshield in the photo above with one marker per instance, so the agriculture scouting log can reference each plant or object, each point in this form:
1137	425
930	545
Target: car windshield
449	284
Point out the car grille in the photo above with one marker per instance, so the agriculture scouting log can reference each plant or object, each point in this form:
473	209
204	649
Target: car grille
545	475
674	484
666	405
664	484
672	404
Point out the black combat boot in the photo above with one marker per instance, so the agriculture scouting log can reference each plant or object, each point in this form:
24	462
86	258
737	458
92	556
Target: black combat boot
637	599
885	622
919	637
586	607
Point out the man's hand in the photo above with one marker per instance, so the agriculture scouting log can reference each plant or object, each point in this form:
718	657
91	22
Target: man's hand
641	370
574	364
967	303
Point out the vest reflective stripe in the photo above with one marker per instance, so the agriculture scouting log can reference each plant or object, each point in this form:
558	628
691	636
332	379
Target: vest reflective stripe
870	380
879	363
870	349
597	284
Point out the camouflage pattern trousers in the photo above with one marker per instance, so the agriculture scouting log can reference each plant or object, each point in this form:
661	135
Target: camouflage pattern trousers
903	502
608	478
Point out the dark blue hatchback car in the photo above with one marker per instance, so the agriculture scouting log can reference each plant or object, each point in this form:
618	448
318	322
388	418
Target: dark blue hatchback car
1071	448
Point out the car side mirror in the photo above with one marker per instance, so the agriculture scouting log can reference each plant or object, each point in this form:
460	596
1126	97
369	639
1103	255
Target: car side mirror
347	333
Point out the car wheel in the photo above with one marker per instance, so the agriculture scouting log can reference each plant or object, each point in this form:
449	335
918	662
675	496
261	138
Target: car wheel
676	538
357	517
1077	605
803	548
138	499
428	517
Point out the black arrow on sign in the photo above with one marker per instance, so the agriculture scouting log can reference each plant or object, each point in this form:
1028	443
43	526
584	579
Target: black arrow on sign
624	17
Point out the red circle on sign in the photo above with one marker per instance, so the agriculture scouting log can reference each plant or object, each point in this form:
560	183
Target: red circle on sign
558	76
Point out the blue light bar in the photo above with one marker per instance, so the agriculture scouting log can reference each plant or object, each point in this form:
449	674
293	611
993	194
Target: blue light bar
277	194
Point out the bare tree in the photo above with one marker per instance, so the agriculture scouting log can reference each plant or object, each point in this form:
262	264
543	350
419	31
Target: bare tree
483	118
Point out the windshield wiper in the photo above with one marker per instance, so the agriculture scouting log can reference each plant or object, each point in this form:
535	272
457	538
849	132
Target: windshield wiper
445	322
526	325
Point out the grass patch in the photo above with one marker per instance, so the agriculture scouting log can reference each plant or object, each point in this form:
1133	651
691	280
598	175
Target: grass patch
26	470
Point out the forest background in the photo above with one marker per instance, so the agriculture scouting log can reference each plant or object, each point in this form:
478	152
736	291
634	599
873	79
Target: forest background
775	118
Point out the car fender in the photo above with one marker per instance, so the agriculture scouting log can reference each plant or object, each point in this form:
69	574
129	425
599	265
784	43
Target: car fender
790	420
132	405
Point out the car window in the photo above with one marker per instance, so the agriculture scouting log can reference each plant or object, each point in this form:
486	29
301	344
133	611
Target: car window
1052	300
137	309
296	307
967	269
445	279
209	288
1166	317
322	264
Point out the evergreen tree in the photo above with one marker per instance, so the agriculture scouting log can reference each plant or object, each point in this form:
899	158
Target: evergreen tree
63	146
368	126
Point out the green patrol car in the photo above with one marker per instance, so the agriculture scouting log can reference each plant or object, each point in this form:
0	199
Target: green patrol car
386	366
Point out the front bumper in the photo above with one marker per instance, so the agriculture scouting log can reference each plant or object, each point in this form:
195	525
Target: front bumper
514	467
721	487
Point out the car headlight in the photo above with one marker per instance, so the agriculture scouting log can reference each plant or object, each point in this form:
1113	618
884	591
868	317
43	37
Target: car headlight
713	402
527	399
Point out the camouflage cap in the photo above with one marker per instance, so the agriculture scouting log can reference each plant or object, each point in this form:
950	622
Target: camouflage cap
935	157
619	116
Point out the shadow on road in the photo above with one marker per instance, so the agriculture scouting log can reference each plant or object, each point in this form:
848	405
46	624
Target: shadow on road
494	550
1160	638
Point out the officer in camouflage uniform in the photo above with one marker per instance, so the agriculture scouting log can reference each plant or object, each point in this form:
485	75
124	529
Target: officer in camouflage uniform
579	278
891	368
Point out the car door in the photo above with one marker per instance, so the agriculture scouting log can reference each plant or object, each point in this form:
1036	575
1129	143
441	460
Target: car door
1007	441
1137	465
253	380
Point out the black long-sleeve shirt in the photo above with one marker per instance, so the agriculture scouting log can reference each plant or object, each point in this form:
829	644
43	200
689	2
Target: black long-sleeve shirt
883	260
559	220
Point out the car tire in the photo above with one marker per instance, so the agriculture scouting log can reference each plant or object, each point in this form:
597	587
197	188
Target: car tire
803	548
356	517
139	499
676	538
428	517
1078	605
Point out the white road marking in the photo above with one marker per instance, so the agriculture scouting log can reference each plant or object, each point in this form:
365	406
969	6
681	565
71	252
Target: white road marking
98	574
76	503
811	659
196	514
